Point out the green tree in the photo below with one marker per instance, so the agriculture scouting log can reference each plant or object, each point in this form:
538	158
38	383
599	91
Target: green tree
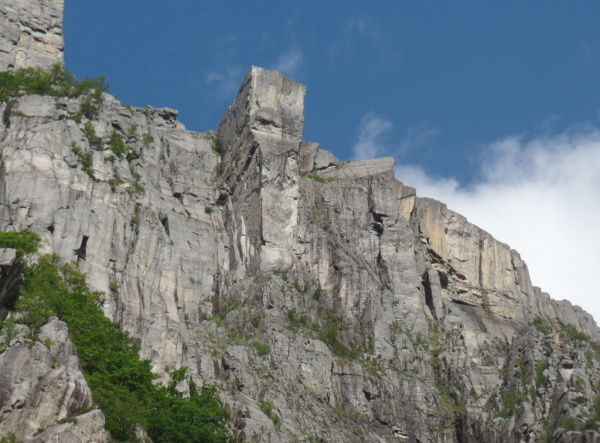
26	242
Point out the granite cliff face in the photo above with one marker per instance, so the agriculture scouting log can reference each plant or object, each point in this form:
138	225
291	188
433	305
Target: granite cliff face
326	299
31	33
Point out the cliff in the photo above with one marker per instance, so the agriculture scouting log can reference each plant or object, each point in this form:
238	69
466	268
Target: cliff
31	33
326	300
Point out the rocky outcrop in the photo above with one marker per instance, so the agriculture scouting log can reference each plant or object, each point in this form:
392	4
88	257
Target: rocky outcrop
326	300
41	384
478	270
85	428
31	33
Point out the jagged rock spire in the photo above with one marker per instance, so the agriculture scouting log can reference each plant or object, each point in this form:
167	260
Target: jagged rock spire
261	135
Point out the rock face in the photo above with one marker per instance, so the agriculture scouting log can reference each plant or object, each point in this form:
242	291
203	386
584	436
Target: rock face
326	300
31	33
41	383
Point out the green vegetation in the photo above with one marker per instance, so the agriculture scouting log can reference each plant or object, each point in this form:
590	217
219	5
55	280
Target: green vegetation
113	183
576	334
26	242
282	274
9	328
117	145
522	372
137	187
318	294
181	417
57	82
295	321
447	407
314	177
330	337
216	146
122	385
130	109
147	140
86	160
591	424
261	349
569	424
511	400
542	325
90	133
208	210
10	438
540	367
267	408
301	289
219	170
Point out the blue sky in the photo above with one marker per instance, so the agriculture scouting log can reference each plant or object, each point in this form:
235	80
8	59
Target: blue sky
493	107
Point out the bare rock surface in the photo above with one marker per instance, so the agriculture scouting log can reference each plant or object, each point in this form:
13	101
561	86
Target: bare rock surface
86	428
31	33
41	382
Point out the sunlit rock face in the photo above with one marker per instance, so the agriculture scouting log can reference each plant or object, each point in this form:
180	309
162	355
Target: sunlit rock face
31	33
326	300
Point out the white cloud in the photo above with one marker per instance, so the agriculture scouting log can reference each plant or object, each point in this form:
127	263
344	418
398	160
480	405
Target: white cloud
417	135
372	132
351	31
542	197
225	82
289	64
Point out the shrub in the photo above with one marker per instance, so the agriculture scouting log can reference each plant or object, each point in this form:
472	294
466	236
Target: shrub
195	418
261	349
88	109
541	325
318	293
267	408
330	337
208	210
117	145
216	146
295	321
219	170
10	438
130	109
8	111
57	82
90	134
9	329
26	242
113	183
540	367
147	140
568	424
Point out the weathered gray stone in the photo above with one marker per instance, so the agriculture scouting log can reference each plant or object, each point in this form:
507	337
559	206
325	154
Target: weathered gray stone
31	33
39	385
85	428
324	159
